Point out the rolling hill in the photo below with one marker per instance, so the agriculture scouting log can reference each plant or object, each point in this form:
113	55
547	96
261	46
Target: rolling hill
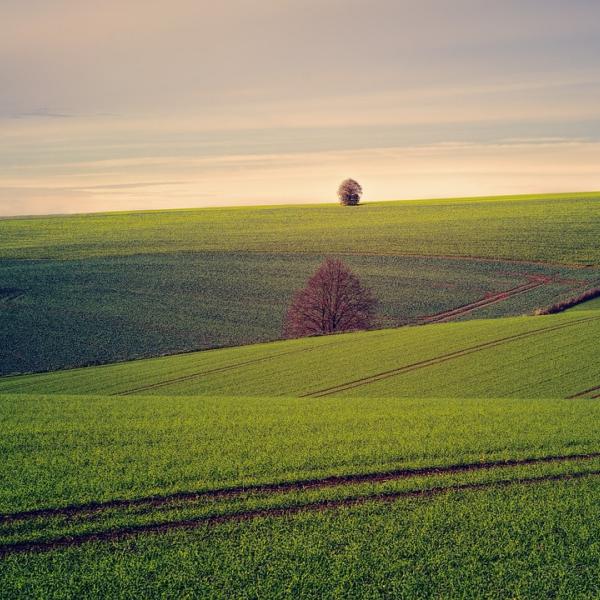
550	356
456	456
89	289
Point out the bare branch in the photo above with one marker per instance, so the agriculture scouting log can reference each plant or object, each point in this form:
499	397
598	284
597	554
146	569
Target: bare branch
332	301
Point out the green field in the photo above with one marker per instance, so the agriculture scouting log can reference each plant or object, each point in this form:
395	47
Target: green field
138	447
560	228
78	290
116	491
442	459
169	469
519	541
62	313
517	357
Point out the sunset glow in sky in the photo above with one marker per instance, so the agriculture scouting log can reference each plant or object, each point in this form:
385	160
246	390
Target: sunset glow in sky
160	104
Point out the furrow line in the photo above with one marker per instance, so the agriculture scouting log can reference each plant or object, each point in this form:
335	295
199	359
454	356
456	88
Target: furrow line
317	506
222	369
585	393
288	486
439	359
494	299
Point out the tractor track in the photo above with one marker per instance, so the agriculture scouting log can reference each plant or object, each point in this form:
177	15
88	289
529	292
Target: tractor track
533	283
225	368
316	506
287	486
586	392
182	378
439	359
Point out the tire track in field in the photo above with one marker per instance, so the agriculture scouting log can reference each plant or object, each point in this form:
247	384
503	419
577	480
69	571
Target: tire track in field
287	511
288	486
222	369
534	282
440	359
586	392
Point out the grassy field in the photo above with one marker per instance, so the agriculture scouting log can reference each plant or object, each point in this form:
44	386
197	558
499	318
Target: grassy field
140	446
449	459
89	289
551	356
104	494
560	228
61	313
83	475
520	541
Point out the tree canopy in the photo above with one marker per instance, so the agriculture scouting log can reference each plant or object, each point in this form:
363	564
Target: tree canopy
332	301
349	192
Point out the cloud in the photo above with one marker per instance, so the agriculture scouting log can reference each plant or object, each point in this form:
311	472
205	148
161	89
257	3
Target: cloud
36	114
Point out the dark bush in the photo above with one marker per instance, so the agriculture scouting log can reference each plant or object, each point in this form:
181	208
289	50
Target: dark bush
565	304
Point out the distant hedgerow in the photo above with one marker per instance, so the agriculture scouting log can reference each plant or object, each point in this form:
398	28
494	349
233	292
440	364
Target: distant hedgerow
565	304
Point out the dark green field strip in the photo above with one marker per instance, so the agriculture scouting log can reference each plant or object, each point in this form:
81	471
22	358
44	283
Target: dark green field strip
490	299
274	488
442	358
284	511
537	281
94	311
278	369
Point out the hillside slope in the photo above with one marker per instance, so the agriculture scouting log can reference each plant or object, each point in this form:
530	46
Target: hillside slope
101	288
560	228
551	356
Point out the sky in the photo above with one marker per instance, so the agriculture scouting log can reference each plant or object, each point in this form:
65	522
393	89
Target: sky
144	104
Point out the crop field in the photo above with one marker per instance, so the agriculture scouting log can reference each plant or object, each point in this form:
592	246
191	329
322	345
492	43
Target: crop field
550	356
443	438
519	541
117	308
458	456
144	446
92	289
89	480
558	228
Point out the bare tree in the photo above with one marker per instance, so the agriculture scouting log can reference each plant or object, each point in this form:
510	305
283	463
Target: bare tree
349	192
332	301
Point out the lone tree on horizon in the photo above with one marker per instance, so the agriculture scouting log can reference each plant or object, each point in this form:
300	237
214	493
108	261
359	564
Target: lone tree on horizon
332	301
349	192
